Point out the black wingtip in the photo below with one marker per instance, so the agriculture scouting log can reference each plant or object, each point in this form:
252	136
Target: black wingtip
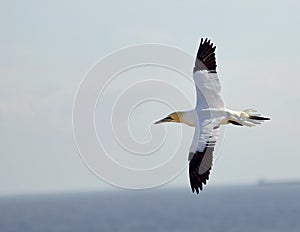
206	59
197	180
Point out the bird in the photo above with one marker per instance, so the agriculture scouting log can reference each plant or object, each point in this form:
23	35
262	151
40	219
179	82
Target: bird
208	116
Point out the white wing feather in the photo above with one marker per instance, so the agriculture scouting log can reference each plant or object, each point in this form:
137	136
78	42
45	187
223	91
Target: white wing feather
208	89
206	134
209	109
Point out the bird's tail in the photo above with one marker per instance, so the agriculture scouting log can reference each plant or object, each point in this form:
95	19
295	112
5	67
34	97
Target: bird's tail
250	118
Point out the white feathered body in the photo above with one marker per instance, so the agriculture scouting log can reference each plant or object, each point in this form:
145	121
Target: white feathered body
192	117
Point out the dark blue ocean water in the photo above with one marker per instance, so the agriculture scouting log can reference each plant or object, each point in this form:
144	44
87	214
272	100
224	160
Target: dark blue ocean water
218	209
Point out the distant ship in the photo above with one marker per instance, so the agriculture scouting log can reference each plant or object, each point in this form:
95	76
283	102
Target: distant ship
263	182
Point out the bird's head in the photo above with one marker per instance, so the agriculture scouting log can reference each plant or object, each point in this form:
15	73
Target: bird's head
174	117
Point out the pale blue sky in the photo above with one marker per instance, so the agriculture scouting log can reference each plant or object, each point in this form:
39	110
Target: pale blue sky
46	48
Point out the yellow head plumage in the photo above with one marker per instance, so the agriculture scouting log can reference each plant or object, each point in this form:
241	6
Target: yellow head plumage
174	117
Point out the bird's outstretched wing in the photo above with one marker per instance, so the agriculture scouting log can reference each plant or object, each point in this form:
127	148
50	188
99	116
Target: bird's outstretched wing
201	152
209	97
206	79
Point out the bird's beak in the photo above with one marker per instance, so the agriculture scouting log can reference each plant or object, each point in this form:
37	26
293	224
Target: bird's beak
167	119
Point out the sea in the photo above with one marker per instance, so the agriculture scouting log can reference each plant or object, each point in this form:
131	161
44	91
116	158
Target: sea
259	208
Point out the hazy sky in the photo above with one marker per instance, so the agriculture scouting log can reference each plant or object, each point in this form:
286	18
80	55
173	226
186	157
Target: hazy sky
46	48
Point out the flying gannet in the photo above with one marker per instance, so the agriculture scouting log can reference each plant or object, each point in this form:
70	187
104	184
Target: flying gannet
210	113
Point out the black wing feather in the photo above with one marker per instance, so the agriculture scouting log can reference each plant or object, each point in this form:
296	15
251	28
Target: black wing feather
196	179
206	58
